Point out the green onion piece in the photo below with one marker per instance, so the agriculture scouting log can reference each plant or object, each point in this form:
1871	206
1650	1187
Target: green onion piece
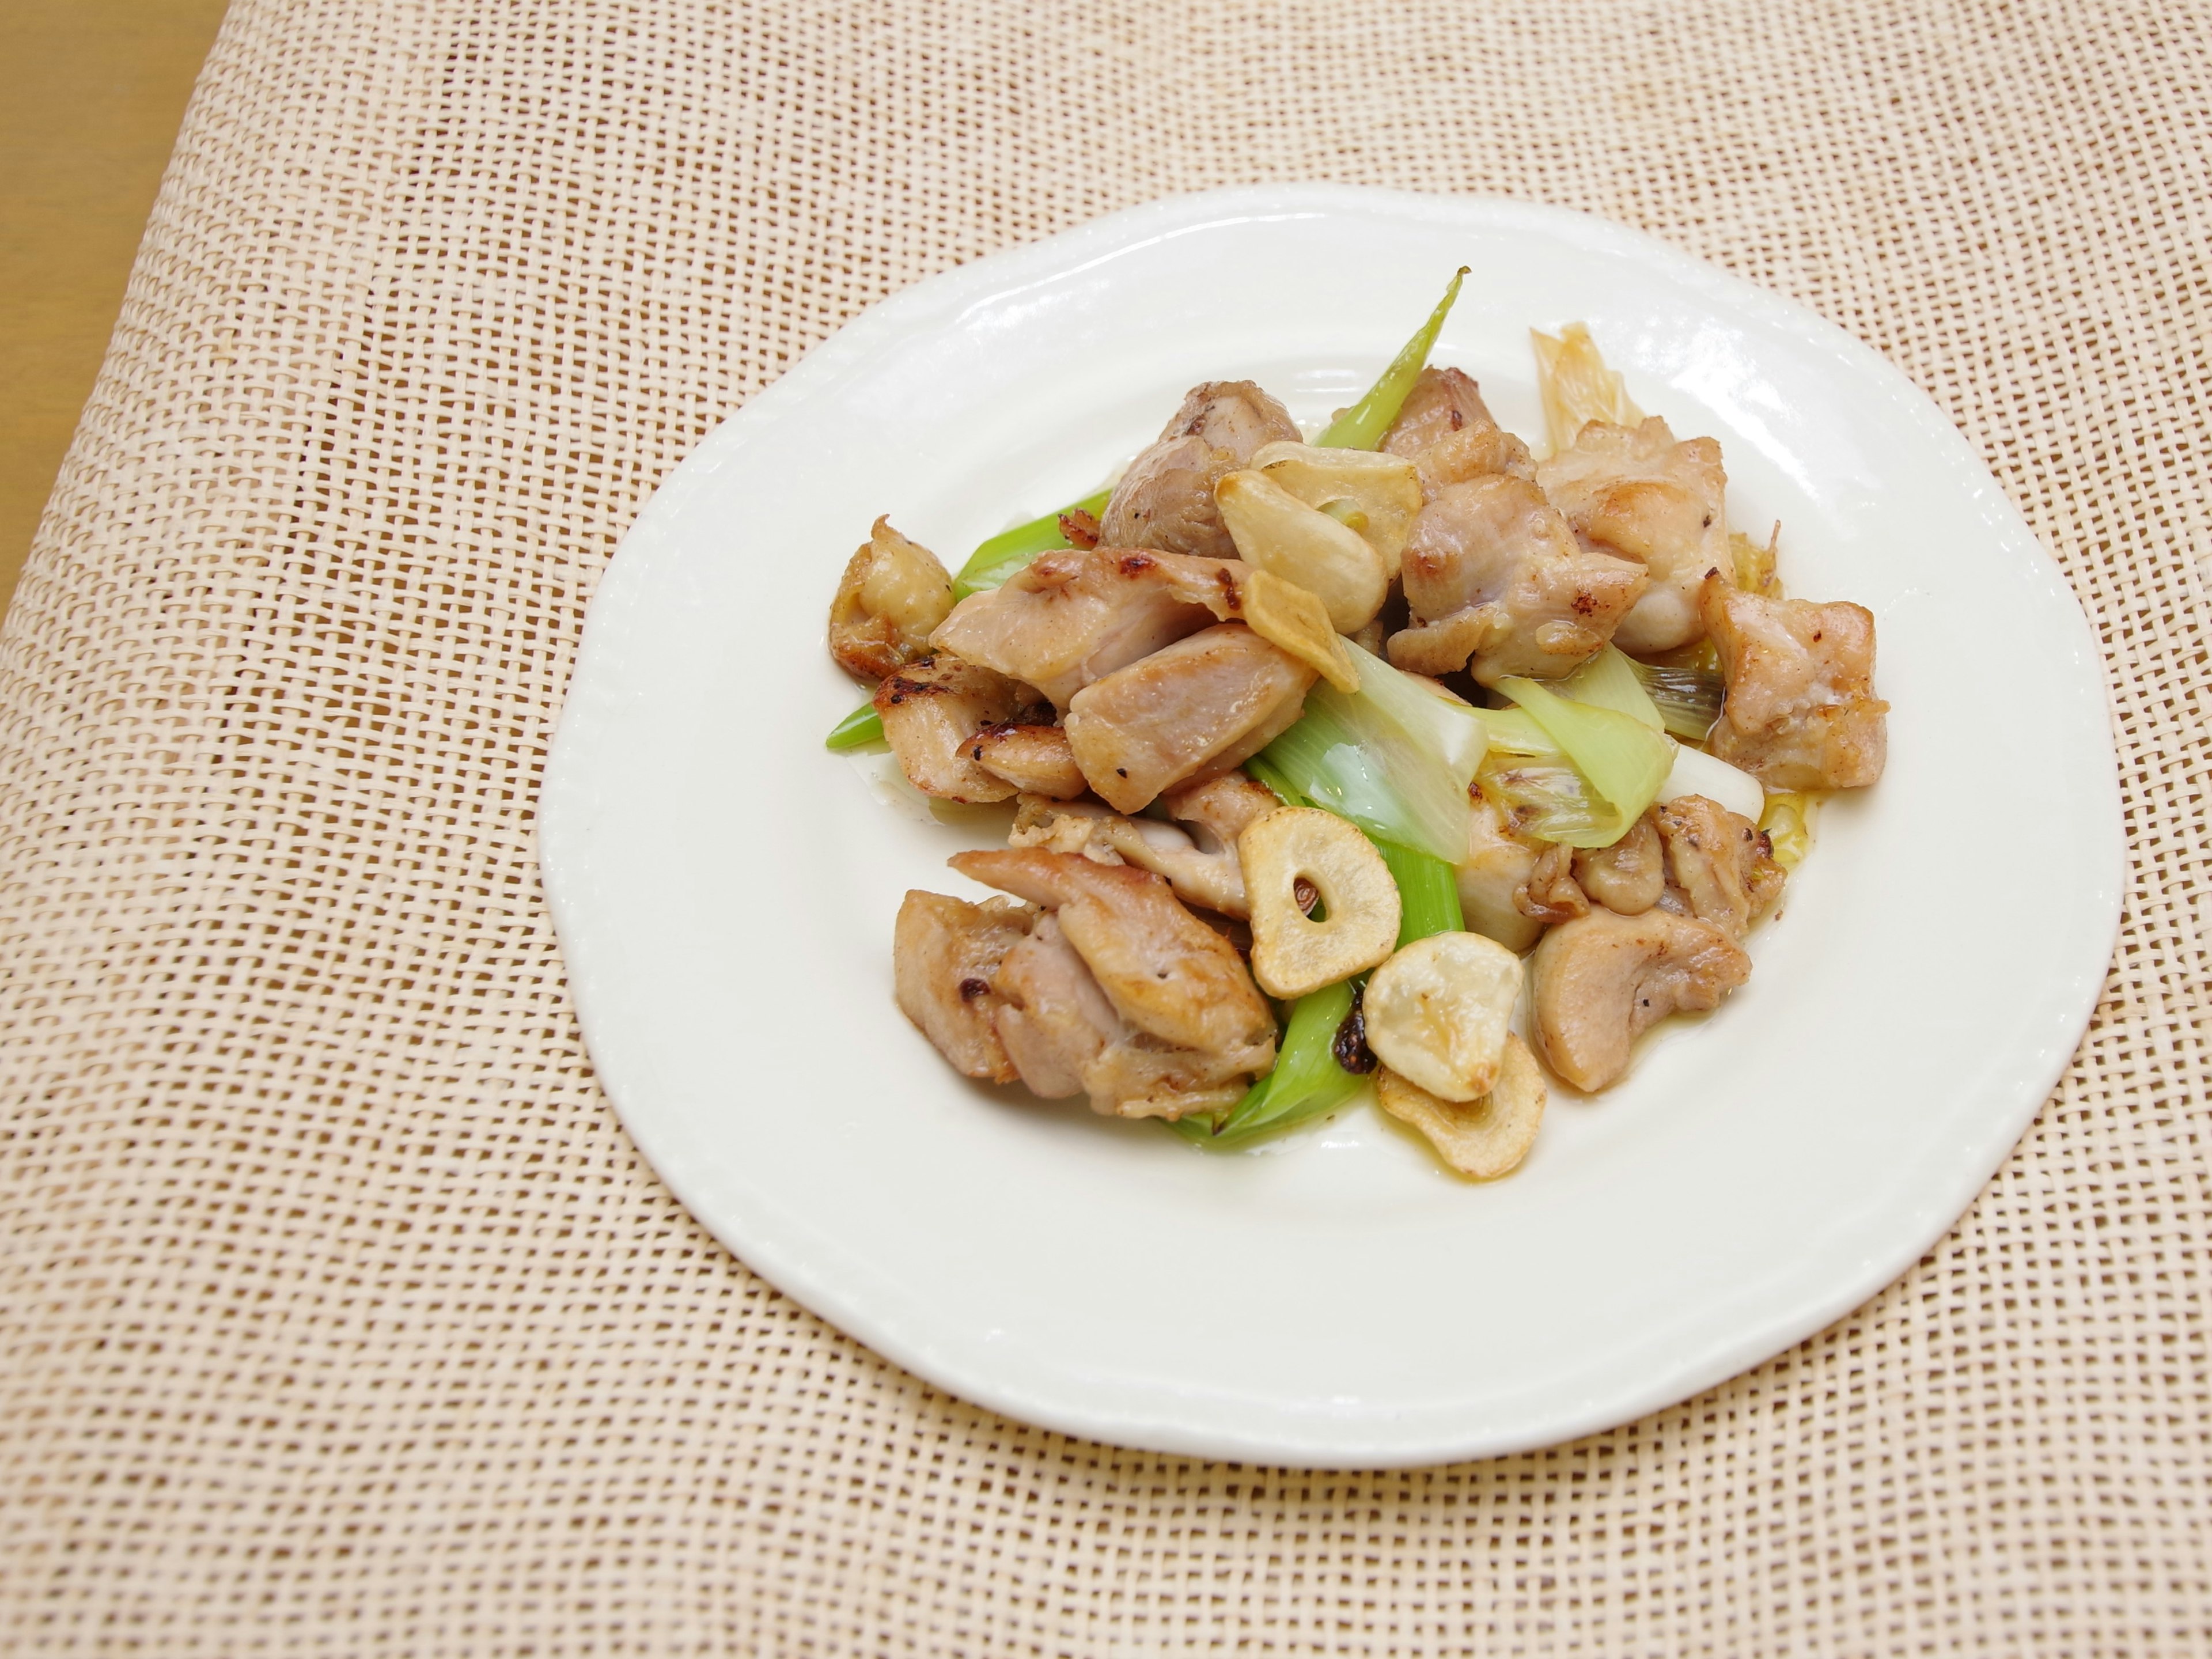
1609	680
1307	1081
862	725
1428	893
1623	761
1688	699
1392	756
1269	777
1362	426
1010	551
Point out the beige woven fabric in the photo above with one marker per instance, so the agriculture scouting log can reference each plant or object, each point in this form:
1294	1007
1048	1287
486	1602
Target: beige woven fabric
340	1318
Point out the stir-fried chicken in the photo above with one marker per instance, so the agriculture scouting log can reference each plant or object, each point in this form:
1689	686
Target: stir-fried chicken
932	711
1551	895
1075	617
1212	879
1599	982
1205	704
1636	493
1035	759
1166	500
1198	1023
1800	712
944	953
1443	401
1498	585
1497	865
1628	876
893	595
1216	809
1719	866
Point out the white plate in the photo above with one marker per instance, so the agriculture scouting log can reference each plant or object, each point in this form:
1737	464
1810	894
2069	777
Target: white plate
725	888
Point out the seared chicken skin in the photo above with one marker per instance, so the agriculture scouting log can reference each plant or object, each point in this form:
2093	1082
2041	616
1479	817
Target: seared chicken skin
1628	876
1636	492
1166	500
1196	1025
1203	705
1601	980
1800	712
1720	868
892	596
1497	584
1075	617
1446	430
932	712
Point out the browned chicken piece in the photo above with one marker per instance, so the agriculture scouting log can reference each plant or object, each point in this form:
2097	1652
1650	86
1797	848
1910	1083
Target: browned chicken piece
1628	876
1639	493
1199	1021
1720	868
1205	704
944	953
932	711
1498	863
1497	584
1443	401
1216	809
1166	500
1035	759
1213	880
1551	894
892	596
1473	454
1800	712
1600	982
1075	617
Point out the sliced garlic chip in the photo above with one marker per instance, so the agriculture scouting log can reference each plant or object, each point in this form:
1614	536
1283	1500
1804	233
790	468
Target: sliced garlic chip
1276	532
1375	494
1486	1138
1287	617
1436	1012
1291	952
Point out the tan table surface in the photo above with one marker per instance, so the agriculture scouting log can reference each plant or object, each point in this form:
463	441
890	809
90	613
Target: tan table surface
90	95
340	1316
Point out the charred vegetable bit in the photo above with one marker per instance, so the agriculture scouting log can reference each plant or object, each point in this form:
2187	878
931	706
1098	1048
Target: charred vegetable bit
1012	549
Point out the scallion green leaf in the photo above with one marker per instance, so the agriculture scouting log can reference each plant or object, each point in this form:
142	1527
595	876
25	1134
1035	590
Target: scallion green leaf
862	725
1362	426
990	565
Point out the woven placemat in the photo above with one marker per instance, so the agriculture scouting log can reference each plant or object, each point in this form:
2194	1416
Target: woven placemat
340	1316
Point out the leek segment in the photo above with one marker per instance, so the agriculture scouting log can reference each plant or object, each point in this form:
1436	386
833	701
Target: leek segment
862	725
1011	550
1306	1082
1393	757
1362	426
1615	763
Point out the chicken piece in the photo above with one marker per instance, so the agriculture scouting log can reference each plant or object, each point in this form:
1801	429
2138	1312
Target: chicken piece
1214	880
1799	711
892	596
1497	584
1720	868
1073	617
1050	1014
1639	493
1497	865
1475	453
1035	759
1601	980
1205	704
945	953
1443	401
1199	1020
1551	894
932	711
1166	500
1216	809
1628	876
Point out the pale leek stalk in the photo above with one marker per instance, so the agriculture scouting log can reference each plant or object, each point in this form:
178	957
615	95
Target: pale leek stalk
1623	761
